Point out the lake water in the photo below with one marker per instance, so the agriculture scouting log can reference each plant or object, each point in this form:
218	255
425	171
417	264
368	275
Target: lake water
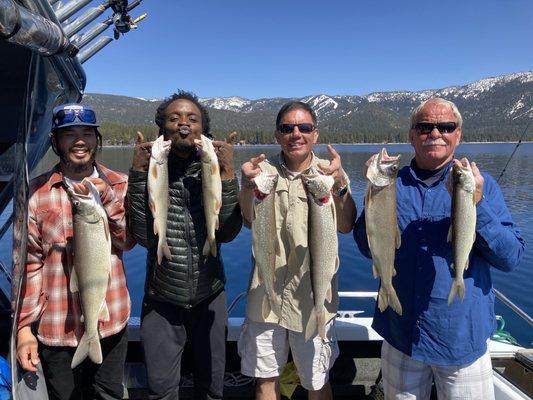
355	270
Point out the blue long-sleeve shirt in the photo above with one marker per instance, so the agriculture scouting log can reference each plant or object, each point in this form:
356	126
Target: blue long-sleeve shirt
430	330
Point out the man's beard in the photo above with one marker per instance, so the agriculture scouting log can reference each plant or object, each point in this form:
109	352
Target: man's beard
181	146
76	167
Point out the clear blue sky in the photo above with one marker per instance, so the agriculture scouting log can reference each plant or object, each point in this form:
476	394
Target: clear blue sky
291	48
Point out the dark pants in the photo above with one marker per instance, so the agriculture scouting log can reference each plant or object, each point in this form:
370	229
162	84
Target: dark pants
165	328
88	380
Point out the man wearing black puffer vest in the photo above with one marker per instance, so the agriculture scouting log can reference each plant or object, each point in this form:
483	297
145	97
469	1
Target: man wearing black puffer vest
184	299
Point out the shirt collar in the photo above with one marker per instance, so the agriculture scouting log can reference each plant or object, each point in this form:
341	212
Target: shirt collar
292	174
111	177
443	172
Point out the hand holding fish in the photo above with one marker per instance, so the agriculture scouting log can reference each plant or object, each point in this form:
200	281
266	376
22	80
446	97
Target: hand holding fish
250	170
81	188
224	152
478	178
141	154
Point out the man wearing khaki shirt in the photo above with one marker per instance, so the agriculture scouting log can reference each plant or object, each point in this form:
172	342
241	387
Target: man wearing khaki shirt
266	339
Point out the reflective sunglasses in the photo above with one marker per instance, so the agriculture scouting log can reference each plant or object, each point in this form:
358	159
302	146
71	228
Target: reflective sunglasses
303	128
67	116
426	128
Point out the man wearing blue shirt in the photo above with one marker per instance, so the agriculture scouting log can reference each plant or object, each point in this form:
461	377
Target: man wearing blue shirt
432	339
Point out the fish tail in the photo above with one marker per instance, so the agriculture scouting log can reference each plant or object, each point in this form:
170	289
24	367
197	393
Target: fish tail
394	301
163	250
210	246
388	297
87	347
266	308
383	299
458	288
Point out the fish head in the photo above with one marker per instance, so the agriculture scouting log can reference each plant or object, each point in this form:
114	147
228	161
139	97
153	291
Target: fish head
206	149
86	206
318	185
160	150
264	183
383	169
463	177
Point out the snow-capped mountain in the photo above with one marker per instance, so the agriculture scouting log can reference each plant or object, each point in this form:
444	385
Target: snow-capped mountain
496	106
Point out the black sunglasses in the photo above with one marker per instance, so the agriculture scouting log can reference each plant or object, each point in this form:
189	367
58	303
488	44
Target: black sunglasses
303	128
69	115
443	127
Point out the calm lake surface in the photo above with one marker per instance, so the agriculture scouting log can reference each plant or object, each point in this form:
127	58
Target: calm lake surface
355	270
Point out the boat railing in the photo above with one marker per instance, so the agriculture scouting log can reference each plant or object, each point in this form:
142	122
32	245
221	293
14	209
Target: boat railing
517	310
374	295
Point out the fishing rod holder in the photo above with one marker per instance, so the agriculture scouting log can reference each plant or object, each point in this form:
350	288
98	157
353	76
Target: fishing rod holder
22	27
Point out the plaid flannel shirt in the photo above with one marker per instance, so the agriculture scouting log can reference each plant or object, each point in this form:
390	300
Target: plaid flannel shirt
46	297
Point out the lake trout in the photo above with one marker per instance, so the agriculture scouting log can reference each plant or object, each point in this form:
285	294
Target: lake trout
462	231
91	270
158	194
264	240
323	247
382	230
211	192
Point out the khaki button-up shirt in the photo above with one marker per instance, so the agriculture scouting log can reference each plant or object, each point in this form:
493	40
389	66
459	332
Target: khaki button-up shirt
292	277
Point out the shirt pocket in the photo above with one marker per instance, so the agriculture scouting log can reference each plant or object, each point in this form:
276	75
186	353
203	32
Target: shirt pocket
52	226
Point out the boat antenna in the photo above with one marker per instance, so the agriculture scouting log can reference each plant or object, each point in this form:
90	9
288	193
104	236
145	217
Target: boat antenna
514	151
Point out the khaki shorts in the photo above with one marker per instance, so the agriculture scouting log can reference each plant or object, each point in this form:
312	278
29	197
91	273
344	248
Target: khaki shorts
264	350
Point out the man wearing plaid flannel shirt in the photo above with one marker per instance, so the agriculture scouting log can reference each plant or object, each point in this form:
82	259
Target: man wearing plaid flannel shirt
50	324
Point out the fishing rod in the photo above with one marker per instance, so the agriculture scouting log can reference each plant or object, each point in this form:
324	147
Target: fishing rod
514	151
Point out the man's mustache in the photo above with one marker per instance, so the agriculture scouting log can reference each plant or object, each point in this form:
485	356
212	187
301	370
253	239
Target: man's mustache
434	142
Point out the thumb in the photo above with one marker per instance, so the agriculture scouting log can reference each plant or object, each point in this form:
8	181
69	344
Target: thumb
140	138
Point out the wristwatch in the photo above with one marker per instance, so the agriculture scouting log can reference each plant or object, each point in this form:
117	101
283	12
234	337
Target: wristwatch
343	190
340	192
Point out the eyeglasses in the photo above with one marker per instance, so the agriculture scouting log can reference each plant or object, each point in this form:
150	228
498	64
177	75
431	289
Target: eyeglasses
67	116
425	128
303	128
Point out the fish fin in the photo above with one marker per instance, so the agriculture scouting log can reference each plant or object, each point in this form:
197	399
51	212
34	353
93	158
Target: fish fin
74	281
474	238
214	248
393	271
449	238
375	271
311	326
156	231
106	229
214	169
329	295
166	251
153	172
368	197
398	237
452	266
210	248
337	264
151	204
265	307
458	288
321	323
104	313
159	253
